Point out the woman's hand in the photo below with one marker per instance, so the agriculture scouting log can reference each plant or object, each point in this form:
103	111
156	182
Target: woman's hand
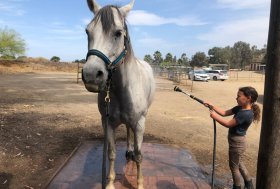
208	105
213	114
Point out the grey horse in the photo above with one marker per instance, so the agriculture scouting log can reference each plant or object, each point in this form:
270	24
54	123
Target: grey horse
127	83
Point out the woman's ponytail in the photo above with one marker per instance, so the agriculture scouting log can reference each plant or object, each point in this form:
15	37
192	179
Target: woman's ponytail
257	112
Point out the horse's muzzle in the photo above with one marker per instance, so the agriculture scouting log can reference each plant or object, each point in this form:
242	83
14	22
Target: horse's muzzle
90	86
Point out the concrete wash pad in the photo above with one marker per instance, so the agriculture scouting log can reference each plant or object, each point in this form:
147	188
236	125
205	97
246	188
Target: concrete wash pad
164	167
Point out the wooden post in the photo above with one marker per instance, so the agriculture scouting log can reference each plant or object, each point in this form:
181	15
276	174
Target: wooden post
79	71
268	170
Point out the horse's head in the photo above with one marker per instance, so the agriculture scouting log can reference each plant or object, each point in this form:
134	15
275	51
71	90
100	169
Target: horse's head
108	42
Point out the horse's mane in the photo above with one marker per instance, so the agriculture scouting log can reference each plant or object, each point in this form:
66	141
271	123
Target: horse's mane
106	16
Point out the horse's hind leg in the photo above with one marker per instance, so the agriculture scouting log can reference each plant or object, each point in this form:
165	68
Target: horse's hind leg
138	139
111	156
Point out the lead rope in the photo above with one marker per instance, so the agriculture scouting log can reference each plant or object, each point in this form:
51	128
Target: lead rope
105	142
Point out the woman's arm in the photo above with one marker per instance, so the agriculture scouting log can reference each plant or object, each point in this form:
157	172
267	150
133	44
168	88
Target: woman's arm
219	110
225	123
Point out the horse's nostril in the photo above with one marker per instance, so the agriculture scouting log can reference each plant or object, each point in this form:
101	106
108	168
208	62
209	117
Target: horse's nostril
99	74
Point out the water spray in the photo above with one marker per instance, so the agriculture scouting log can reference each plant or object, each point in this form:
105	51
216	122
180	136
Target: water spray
177	89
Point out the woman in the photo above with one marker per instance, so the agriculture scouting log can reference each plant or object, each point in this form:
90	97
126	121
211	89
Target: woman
244	114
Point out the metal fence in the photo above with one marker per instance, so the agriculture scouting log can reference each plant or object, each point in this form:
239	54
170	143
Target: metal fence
181	74
236	75
178	75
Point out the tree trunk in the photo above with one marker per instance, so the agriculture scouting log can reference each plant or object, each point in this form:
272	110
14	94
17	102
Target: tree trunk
268	172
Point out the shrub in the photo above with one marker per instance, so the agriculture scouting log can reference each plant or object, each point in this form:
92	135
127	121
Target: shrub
55	59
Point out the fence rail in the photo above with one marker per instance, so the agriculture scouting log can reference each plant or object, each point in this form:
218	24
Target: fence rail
247	75
180	76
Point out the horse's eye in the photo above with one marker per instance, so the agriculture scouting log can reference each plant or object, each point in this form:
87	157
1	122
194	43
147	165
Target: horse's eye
118	33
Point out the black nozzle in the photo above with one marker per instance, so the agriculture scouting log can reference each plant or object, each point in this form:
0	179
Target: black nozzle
176	88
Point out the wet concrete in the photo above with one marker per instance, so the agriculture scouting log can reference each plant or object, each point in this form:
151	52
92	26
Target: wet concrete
164	167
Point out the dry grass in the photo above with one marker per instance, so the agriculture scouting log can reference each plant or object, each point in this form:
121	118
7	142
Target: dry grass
44	115
35	65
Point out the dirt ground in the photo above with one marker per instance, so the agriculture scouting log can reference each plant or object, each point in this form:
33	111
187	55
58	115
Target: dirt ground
45	115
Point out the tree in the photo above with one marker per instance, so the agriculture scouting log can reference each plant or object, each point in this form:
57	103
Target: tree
168	58
11	43
268	172
167	61
227	55
55	59
215	55
258	55
219	55
80	61
148	58
241	55
199	59
174	61
179	61
184	59
157	57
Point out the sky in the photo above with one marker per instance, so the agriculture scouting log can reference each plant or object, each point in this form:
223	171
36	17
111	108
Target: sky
57	27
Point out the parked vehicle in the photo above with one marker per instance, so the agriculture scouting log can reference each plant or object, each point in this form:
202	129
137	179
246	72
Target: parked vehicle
198	75
217	74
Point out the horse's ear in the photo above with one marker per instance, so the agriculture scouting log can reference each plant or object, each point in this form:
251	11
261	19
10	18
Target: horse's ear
125	9
93	6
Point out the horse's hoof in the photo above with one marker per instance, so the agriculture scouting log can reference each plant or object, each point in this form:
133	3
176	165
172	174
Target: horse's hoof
129	156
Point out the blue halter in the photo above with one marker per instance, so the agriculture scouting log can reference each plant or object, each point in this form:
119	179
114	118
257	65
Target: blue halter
109	64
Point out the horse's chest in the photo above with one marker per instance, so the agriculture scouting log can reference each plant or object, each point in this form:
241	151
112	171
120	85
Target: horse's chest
121	111
127	112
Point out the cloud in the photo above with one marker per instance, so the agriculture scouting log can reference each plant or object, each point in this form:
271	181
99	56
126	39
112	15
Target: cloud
11	8
253	31
144	18
147	40
148	44
58	30
5	7
243	4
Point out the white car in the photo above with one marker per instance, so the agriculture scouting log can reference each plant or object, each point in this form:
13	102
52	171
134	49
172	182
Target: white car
217	74
198	75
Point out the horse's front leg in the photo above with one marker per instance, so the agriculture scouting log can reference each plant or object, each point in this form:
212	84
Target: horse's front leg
138	139
111	157
129	141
